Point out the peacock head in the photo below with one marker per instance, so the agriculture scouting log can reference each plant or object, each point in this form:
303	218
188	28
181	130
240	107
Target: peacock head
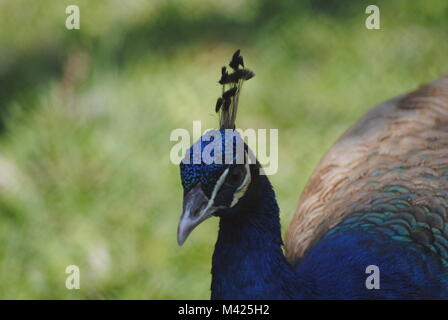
218	169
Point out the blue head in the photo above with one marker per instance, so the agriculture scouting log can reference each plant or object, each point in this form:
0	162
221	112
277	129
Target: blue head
217	173
218	170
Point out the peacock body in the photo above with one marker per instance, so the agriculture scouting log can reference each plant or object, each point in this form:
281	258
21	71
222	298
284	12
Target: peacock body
378	197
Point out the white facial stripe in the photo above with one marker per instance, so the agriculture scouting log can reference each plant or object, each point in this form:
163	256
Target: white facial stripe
239	191
247	176
242	188
218	185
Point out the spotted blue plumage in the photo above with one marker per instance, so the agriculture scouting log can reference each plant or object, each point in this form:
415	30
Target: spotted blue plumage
199	167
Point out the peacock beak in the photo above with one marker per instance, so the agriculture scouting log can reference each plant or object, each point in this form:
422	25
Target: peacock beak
196	208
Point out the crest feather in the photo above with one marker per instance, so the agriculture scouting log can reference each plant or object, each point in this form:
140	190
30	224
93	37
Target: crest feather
227	104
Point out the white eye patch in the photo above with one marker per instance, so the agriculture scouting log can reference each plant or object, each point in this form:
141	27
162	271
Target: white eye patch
239	192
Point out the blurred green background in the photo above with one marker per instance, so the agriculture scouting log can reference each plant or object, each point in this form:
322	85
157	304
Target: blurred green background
86	115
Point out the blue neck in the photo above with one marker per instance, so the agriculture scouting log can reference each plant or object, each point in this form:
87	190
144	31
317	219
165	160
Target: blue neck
248	262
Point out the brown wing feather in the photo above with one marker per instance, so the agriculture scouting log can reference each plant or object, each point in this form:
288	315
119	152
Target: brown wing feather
407	131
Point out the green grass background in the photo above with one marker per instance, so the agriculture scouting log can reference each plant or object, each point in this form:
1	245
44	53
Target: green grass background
85	175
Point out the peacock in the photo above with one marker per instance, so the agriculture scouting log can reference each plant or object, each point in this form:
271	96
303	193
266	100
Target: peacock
379	197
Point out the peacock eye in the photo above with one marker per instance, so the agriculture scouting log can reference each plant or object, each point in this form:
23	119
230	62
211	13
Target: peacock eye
235	177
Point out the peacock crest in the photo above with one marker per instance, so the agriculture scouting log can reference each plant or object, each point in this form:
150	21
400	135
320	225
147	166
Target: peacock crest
232	83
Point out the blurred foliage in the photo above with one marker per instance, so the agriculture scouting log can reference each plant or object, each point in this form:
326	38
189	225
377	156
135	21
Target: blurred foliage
85	176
